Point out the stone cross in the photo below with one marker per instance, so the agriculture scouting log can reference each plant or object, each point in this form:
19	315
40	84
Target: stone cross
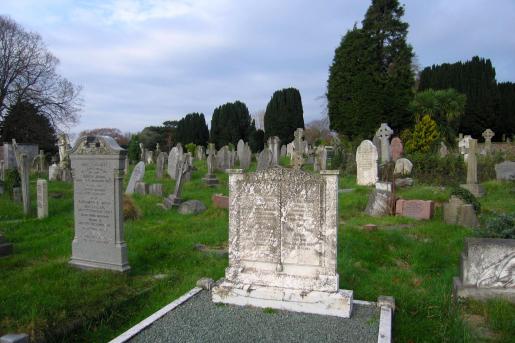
472	183
97	163
298	142
24	176
142	152
64	147
210	178
488	135
383	133
42	197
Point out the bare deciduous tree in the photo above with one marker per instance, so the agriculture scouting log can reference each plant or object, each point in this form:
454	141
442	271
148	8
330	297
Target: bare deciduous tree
28	73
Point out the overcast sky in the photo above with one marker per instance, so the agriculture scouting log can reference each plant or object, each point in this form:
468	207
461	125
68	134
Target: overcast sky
143	62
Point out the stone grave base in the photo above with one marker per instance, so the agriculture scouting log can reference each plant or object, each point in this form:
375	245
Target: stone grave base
337	303
475	189
462	291
116	255
211	180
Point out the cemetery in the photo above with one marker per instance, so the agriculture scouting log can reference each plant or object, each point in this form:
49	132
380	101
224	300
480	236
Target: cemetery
386	215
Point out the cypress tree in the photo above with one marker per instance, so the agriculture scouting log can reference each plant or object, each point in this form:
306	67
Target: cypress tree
284	114
371	80
193	129
230	123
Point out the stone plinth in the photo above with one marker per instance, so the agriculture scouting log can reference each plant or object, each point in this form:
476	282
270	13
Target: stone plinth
98	166
487	269
417	209
282	242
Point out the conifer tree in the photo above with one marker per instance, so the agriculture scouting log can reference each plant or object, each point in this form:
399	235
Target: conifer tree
230	123
284	114
193	129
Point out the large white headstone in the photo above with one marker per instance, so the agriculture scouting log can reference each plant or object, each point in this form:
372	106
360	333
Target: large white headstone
366	162
283	227
98	167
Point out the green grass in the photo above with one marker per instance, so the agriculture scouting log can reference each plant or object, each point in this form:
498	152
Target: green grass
414	261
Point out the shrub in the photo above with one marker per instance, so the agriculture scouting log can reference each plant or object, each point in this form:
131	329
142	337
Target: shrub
190	147
425	135
130	210
467	197
435	170
11	180
499	226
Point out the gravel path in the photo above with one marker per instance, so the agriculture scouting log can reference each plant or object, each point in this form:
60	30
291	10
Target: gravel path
199	320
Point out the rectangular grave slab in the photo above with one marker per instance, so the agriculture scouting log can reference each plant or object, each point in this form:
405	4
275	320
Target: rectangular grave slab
487	269
98	168
282	242
418	209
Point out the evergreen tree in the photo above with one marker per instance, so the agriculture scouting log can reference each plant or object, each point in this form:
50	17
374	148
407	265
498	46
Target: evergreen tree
475	79
506	119
193	129
23	123
377	59
133	150
230	123
256	138
284	114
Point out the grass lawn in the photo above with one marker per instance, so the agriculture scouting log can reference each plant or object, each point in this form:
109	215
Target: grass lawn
414	261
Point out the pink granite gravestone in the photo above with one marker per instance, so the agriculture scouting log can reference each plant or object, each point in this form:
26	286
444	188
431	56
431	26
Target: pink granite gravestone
418	209
396	148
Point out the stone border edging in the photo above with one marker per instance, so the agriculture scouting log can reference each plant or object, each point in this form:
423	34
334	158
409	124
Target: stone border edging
133	331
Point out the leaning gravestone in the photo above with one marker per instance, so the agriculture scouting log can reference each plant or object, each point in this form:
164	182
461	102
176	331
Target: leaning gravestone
366	161
175	198
137	175
42	196
383	133
283	227
97	163
505	171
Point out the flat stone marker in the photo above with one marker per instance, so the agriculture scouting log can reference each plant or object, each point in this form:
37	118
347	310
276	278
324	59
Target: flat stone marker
42	195
283	227
417	209
505	171
366	161
97	163
137	175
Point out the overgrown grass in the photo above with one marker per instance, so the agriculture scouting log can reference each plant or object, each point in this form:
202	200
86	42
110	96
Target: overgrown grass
414	261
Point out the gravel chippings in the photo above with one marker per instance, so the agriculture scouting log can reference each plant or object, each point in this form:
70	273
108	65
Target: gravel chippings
200	320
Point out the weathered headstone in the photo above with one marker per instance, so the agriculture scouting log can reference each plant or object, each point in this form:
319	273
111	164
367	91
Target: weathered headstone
403	167
53	172
298	142
160	165
17	194
63	143
264	159
137	175
505	171
274	144
283	150
418	209
149	157
396	148
141	188
245	157
39	162
223	158
283	227
380	202
191	207
456	211
97	163
239	149
42	197
24	176
366	161
126	166
383	133
488	135
2	170
289	149
8	155
200	153
173	160
443	150
472	184
156	189
175	198
210	178
377	143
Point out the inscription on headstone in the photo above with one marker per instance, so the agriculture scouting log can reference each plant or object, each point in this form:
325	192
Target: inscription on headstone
366	161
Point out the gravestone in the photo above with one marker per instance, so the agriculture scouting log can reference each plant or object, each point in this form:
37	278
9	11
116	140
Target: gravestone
403	167
283	150
274	144
53	172
210	178
42	197
63	143
245	157
264	159
223	158
200	153
160	165
142	152
472	184
289	149
175	198
24	168
396	148
488	135
239	149
9	155
417	209
97	163
456	211
2	170
156	189
137	175
283	227
383	133
298	142
505	171
126	166
366	163
443	150
173	160
149	157
141	188
39	163
17	194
